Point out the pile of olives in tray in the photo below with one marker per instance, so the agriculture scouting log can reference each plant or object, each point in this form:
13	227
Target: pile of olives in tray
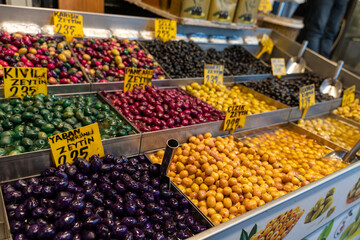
25	125
182	59
287	90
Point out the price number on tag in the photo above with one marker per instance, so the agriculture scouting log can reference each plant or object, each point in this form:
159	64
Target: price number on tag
19	82
82	142
135	77
165	29
213	74
278	67
68	24
307	96
265	6
348	96
235	117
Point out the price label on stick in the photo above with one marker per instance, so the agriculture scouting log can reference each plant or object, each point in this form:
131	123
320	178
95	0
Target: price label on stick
235	117
82	142
213	74
306	98
348	96
165	29
267	45
265	6
278	67
68	24
136	77
19	82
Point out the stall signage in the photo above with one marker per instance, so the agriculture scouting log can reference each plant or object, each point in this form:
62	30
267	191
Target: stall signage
265	6
19	82
348	96
82	142
213	74
165	29
68	24
278	67
306	98
136	77
235	117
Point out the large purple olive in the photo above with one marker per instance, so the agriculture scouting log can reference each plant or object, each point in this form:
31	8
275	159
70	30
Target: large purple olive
98	198
12	197
61	167
87	213
148	197
182	234
41	222
63	202
141	220
114	175
108	222
33	231
47	232
159	236
48	171
92	221
181	225
16	226
11	207
37	190
105	168
198	228
169	226
157	227
102	231
20	236
119	231
166	214
31	203
7	187
139	203
65	221
38	212
83	165
62	184
140	212
77	205
51	180
49	213
149	232
157	217
96	163
71	171
48	191
174	203
66	235
189	220
138	233
152	207
120	188
99	211
76	237
109	158
79	196
20	212
129	236
128	221
28	191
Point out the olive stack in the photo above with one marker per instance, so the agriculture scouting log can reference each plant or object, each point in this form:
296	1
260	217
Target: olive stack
287	90
186	59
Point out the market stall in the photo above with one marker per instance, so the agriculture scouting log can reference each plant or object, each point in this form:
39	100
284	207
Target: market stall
266	180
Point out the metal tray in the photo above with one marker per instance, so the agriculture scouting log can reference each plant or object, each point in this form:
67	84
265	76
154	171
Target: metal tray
346	121
5	233
31	163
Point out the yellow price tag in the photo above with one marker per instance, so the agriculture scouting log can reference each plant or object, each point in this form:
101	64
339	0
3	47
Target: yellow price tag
19	82
265	6
306	98
235	117
348	96
68	24
213	74
136	77
165	29
278	67
267	45
82	142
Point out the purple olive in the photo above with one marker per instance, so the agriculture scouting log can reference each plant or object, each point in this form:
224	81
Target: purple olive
48	171
92	221
138	233
83	165
157	217
38	212
33	231
76	237
181	225
20	213
139	203
13	196
47	232
149	232
157	227
120	188
49	213
189	220
166	214
104	168
109	158
198	228
31	203
102	231
174	203
87	213
96	163
139	212
79	196
61	174
108	222
99	211
98	198
76	205
159	236
20	236
169	226
148	197
141	220
65	221
119	231
129	221
66	235
77	226
15	226
182	234
63	202
11	207
48	191
28	191
71	171
152	207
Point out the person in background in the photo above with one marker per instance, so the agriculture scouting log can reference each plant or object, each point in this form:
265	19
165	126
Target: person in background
322	23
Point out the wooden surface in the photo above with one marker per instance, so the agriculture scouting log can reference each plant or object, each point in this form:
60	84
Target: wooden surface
82	5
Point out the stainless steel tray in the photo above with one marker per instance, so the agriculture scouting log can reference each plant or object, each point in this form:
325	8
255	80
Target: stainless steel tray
5	233
31	163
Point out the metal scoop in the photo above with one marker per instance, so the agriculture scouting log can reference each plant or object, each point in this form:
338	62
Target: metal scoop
332	86
297	64
345	156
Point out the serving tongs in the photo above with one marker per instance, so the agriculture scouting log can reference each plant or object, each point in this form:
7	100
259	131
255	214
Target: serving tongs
342	155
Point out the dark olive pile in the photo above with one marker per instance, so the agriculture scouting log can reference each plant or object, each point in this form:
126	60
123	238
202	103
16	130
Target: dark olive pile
25	125
186	59
287	90
180	59
109	198
237	60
